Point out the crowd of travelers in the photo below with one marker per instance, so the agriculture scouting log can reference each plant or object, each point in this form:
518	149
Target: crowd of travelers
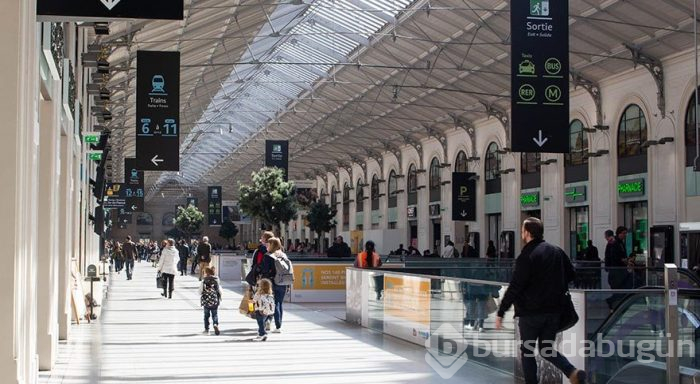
538	288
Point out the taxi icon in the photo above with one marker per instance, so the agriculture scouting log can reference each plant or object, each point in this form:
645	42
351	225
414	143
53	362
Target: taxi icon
526	68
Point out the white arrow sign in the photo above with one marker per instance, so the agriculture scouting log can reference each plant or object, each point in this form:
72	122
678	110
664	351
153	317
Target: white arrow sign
110	3
540	141
134	207
464	213
156	161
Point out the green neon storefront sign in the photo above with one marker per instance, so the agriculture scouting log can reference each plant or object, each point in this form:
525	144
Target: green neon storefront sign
530	199
631	188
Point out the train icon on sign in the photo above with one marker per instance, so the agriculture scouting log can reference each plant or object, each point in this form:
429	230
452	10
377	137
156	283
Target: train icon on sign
158	84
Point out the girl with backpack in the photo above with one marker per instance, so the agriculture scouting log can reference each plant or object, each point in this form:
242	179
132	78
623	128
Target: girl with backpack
264	303
210	298
283	278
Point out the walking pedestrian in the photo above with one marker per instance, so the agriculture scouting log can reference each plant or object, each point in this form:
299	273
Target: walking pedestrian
264	302
204	253
283	278
538	287
184	251
210	299
130	255
167	266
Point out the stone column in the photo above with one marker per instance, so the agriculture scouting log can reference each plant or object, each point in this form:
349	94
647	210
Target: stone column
552	202
67	216
18	155
47	229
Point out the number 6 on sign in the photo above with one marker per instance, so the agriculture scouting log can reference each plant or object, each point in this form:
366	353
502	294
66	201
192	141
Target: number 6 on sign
145	126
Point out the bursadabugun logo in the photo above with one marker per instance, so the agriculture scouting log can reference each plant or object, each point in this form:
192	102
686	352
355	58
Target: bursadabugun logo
446	351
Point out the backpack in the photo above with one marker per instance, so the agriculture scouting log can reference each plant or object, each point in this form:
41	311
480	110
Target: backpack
210	293
266	306
284	271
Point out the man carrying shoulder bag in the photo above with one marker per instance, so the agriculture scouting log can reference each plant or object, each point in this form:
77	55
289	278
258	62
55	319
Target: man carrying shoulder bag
539	291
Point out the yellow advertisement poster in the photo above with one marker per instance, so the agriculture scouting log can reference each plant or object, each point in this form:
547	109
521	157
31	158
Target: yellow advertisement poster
319	276
407	298
356	242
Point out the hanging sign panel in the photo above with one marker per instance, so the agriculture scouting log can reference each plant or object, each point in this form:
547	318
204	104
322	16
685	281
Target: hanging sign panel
88	10
134	184
463	196
214	206
158	111
540	76
124	197
277	155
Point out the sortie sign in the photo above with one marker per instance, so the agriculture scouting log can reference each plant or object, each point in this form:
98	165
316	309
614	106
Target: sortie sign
540	76
84	10
277	155
158	111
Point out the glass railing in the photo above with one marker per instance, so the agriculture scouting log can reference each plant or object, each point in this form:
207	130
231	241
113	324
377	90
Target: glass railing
448	314
634	335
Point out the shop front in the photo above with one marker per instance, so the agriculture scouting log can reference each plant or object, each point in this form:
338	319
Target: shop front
577	217
633	212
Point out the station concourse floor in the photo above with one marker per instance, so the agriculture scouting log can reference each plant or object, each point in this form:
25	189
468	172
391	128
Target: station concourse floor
145	338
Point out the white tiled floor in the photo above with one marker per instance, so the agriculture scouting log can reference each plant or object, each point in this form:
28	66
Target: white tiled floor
144	338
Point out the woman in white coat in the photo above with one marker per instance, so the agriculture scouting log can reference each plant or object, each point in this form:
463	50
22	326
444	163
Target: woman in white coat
167	266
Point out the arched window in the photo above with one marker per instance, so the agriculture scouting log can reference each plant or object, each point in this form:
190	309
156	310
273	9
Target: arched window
690	133
168	219
334	197
392	187
359	196
461	163
412	184
374	192
530	170
322	195
530	163
578	145
492	164
631	134
346	192
346	206
435	180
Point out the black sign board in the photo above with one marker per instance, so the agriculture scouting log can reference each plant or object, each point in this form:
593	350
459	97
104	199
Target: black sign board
214	206
125	217
277	155
83	10
124	197
412	212
158	111
463	196
540	76
91	270
134	182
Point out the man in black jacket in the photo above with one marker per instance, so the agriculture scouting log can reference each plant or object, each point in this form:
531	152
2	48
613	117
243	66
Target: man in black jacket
204	254
339	249
129	250
540	280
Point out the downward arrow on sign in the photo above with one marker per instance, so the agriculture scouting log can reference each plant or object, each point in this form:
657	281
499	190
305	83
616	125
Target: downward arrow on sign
110	3
540	141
